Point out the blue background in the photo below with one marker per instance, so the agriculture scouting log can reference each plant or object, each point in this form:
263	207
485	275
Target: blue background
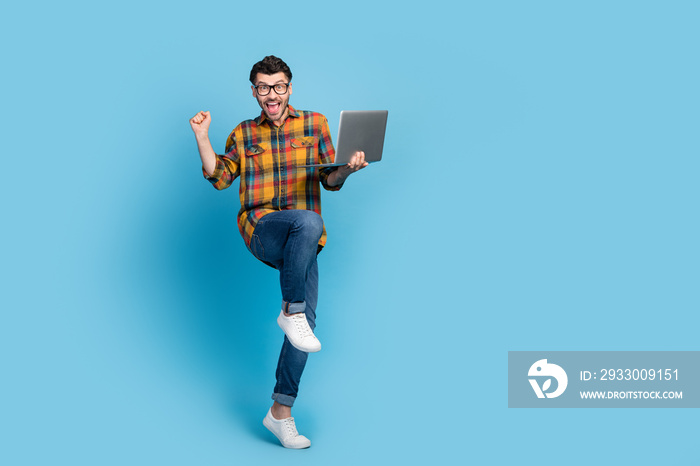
539	192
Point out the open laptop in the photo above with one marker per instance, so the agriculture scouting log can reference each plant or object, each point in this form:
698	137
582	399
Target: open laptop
359	130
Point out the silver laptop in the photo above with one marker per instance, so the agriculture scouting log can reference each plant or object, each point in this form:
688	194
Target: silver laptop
359	130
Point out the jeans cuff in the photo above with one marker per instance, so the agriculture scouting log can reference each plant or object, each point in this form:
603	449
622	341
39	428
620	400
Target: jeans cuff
293	308
286	400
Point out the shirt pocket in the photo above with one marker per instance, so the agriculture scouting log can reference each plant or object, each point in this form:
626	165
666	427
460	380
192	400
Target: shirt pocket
305	150
258	158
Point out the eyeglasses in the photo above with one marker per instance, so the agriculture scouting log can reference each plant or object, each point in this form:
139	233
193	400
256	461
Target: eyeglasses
264	89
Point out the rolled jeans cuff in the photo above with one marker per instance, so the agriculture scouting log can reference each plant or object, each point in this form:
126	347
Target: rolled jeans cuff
293	308
283	399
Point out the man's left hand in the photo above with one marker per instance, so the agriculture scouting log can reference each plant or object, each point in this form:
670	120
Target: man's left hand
357	162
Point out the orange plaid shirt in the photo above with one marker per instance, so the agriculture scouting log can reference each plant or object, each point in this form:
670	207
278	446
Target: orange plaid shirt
267	158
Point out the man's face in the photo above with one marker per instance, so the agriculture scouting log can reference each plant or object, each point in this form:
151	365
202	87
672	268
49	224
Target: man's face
274	105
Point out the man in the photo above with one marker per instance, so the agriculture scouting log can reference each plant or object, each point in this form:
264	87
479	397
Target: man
280	212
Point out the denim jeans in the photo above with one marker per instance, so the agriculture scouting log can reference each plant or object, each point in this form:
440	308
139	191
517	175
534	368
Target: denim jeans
288	241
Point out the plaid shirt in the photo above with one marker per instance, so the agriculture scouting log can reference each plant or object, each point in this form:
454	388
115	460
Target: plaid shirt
266	157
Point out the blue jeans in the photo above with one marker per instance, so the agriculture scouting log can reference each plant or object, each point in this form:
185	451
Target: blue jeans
288	241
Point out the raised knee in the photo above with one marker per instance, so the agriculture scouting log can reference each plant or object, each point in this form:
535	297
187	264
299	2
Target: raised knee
310	223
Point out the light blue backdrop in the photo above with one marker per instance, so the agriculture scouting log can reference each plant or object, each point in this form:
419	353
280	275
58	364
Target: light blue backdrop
539	192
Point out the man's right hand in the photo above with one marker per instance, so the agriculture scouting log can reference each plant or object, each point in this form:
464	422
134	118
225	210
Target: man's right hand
200	124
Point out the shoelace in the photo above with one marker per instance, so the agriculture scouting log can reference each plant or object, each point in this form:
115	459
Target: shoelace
302	325
291	427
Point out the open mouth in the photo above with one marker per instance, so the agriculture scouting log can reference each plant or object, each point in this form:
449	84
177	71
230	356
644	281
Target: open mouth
272	107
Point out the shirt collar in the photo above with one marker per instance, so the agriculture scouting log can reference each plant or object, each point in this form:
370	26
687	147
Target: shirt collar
292	113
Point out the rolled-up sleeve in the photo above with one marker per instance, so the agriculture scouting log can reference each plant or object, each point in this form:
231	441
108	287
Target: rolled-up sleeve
326	155
227	166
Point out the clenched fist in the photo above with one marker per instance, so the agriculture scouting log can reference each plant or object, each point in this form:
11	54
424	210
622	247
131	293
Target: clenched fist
200	123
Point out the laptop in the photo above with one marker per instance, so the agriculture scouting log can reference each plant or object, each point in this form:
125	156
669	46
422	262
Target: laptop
359	130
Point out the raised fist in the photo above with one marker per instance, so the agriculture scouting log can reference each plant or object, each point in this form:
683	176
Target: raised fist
200	123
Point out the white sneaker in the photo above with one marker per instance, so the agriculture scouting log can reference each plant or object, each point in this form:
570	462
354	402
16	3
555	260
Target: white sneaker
299	333
286	431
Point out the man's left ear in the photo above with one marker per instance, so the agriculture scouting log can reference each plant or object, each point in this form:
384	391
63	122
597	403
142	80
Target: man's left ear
290	88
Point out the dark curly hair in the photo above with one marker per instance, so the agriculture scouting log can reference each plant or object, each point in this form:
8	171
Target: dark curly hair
270	65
